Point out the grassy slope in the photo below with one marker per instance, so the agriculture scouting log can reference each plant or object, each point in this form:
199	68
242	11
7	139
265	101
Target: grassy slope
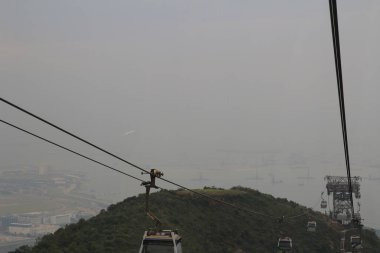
204	225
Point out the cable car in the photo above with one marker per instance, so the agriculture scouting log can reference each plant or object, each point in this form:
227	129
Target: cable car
356	242
285	244
164	241
157	240
323	204
311	226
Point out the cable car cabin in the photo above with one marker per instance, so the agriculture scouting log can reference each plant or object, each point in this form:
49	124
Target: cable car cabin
356	242
311	226
165	241
323	204
285	244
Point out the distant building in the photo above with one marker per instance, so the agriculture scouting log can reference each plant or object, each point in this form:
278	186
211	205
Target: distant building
7	220
62	219
33	218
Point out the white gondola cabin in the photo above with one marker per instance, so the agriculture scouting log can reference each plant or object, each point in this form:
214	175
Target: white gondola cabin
311	226
285	244
323	204
165	241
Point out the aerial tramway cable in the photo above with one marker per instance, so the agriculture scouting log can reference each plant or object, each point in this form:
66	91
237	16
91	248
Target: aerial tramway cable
73	135
339	76
93	160
70	150
130	163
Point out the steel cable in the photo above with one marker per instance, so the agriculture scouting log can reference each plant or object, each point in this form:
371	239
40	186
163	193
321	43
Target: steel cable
339	76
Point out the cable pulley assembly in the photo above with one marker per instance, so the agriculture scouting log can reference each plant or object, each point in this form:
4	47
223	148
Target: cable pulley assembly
154	173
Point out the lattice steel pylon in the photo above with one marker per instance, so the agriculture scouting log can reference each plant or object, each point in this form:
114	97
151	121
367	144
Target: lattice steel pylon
338	187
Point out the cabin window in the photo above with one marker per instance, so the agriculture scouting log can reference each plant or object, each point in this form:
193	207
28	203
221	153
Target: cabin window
158	247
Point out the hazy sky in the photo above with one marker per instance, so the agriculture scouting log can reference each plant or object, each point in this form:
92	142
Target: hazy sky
199	89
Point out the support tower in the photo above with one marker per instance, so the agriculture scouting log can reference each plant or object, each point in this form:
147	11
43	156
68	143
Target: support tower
338	187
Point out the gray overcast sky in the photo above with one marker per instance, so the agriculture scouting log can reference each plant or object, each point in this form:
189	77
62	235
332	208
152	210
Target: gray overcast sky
200	86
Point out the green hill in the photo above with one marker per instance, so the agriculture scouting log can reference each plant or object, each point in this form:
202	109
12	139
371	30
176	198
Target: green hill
206	227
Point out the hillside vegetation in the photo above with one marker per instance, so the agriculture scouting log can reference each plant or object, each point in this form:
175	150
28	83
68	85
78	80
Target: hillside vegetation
206	227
